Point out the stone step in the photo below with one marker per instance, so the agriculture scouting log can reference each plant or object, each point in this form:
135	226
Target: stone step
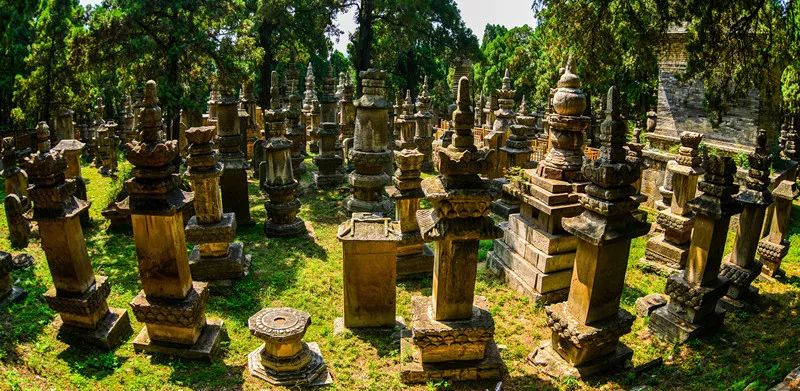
542	240
541	282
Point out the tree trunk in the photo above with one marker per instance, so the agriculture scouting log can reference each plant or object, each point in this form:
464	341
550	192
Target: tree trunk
266	39
363	49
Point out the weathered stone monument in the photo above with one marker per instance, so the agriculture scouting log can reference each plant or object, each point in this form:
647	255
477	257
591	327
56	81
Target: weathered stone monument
295	130
284	359
667	252
9	293
423	135
370	153
107	146
64	127
515	154
216	257
213	100
369	247
740	268
694	292
504	118
453	331
311	110
330	173
248	104
128	126
405	125
234	166
536	255
587	327
347	121
72	150
275	173
171	305
414	256
17	205
77	294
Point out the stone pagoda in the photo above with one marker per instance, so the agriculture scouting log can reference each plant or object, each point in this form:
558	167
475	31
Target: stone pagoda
284	359
489	109
414	256
275	173
347	121
234	166
65	128
107	146
9	293
587	327
405	123
311	110
668	251
423	136
295	131
480	119
248	104
370	153
535	255
213	99
694	292
17	204
216	257
329	162
740	268
171	305
504	117
516	154
774	245
72	150
128	126
77	295
453	331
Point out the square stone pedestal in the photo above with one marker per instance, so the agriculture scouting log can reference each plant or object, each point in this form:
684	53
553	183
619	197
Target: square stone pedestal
315	373
330	181
220	271
550	362
414	265
457	350
663	257
676	330
205	348
110	332
16	294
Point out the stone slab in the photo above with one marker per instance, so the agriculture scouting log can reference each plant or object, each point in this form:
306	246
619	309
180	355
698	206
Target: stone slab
665	257
328	181
234	266
549	362
514	281
17	294
542	240
545	262
315	374
114	328
542	282
415	371
421	264
676	330
503	208
205	348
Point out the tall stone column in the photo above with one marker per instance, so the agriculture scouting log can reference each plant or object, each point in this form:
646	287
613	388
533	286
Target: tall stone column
504	118
171	305
695	292
423	136
587	327
216	257
370	152
667	252
329	162
234	172
295	131
453	331
536	255
311	111
17	205
276	176
77	294
347	121
740	268
414	256
774	247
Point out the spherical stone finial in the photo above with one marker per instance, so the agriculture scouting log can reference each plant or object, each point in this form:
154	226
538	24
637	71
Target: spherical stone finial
568	79
279	324
150	90
568	99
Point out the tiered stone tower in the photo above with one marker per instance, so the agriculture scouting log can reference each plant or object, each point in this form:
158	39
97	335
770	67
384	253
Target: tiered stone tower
213	100
453	331
64	127
347	121
423	136
215	257
295	131
587	327
536	255
248	103
311	110
17	204
234	172
740	268
695	292
275	173
77	294
370	153
171	305
72	150
405	125
667	252
329	162
504	118
516	153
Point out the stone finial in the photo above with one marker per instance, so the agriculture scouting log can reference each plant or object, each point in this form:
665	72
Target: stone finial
408	104
613	130
760	161
688	154
247	91
150	115
718	188
568	99
523	107
424	98
506	81
42	137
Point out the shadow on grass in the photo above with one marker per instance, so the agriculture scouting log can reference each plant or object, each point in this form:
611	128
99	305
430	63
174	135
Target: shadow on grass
23	321
202	374
90	362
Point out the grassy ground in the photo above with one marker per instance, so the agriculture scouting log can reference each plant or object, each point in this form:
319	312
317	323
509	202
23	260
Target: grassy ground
755	350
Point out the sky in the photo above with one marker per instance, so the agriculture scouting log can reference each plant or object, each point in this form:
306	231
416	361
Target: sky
476	14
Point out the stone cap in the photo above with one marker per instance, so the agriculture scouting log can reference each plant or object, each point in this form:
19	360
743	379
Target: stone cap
787	190
69	145
368	227
279	324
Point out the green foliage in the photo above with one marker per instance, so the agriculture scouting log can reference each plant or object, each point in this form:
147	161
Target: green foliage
790	89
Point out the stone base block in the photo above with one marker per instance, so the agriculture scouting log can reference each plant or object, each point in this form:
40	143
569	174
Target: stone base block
550	362
450	340
234	266
110	332
521	285
296	228
504	208
205	348
744	302
413	370
647	304
339	328
328	181
222	232
16	294
382	207
314	374
673	328
663	257
415	265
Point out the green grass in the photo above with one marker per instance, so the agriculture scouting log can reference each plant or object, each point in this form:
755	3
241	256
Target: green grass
755	349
